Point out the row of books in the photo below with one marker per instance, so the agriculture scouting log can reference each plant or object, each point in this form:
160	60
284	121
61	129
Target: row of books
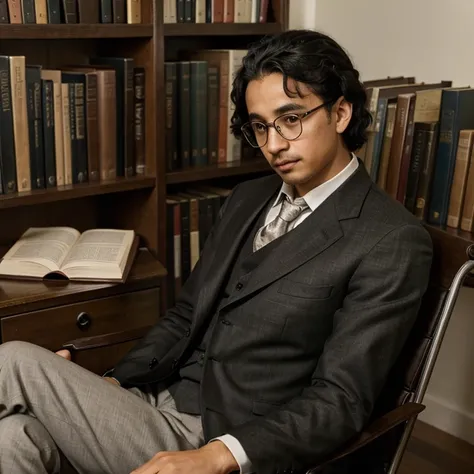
77	124
199	109
190	216
70	11
215	11
419	148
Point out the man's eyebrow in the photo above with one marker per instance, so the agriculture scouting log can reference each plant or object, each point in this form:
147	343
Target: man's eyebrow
290	107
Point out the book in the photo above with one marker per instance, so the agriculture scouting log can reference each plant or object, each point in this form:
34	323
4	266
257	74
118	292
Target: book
103	255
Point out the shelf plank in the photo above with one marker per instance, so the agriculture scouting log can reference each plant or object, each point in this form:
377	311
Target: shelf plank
221	29
76	31
216	171
61	193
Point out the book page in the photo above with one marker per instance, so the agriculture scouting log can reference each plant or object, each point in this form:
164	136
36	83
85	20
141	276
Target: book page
100	247
46	246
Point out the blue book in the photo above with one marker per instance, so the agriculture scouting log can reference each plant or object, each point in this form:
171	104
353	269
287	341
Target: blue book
457	113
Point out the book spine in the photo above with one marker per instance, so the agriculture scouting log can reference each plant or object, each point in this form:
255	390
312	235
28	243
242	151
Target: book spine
106	14
20	122
28	11
134	11
209	11
445	155
35	127
396	150
426	176
406	153
171	119
118	9
48	131
458	188
67	139
218	12
213	114
380	121
41	12
92	128
467	216
107	124
180	11
14	11
419	146
4	12
189	17
198	117
184	113
229	11
139	125
69	11
54	11
7	142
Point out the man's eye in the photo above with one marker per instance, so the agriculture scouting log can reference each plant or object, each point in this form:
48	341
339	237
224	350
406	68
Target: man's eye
291	119
259	127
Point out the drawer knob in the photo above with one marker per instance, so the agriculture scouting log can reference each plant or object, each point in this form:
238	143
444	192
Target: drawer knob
83	320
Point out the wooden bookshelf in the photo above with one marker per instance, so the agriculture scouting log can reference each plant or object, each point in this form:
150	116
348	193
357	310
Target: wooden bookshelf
75	191
123	203
221	29
76	31
190	175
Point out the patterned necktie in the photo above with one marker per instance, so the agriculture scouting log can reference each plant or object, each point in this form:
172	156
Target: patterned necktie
289	211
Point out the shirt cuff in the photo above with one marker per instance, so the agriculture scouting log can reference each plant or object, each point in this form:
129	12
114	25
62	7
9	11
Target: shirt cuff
234	446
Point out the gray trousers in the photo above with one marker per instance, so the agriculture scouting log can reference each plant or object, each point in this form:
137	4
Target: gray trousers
50	405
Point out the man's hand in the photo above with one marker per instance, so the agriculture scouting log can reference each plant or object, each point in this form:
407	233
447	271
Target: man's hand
213	458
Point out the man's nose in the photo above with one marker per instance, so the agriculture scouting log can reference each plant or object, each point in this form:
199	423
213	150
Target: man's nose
275	143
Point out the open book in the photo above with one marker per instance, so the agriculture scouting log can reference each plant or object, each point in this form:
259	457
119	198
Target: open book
95	255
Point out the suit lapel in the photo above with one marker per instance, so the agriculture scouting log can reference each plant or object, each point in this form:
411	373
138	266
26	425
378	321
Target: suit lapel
314	235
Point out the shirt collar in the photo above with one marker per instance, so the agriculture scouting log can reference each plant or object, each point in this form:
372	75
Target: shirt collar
317	195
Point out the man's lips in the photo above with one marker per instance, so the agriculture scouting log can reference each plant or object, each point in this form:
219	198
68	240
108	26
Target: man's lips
285	164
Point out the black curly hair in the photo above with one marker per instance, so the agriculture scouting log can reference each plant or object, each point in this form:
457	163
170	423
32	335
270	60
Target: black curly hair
310	58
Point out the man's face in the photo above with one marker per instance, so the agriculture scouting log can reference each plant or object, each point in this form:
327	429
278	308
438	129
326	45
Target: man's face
318	153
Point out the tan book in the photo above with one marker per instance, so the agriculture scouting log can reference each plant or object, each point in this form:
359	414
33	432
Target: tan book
20	122
66	135
55	76
14	11
134	11
107	116
428	105
467	215
41	12
94	255
461	168
386	145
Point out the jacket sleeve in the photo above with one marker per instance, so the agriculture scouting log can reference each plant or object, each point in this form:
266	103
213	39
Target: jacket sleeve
142	362
369	330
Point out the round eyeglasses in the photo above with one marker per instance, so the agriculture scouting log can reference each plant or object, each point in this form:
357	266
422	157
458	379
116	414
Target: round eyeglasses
289	126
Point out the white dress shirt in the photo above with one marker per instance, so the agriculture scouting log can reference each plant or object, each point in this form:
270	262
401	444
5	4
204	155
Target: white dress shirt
314	199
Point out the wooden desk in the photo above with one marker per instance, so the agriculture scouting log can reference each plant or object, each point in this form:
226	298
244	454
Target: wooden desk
51	313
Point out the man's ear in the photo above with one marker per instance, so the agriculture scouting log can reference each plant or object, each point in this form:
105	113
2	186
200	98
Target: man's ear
343	112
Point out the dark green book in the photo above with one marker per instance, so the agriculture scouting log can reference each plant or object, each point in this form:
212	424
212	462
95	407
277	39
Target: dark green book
198	113
48	133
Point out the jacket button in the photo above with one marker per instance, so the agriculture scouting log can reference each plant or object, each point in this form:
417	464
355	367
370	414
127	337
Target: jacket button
239	286
226	322
153	363
174	364
187	333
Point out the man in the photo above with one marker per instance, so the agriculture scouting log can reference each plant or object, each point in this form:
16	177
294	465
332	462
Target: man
284	334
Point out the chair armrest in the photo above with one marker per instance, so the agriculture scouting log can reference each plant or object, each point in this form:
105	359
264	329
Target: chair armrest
376	429
94	342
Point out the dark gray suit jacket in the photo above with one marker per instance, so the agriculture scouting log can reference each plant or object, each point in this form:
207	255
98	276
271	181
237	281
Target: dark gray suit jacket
309	341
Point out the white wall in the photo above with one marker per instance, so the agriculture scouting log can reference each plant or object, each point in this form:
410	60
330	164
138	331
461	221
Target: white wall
431	40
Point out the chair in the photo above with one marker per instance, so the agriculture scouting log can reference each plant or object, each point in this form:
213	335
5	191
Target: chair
379	449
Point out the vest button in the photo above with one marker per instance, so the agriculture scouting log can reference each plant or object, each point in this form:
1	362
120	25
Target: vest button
187	333
174	364
239	286
226	322
153	363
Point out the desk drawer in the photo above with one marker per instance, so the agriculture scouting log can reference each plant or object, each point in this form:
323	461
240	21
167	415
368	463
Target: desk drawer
53	327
